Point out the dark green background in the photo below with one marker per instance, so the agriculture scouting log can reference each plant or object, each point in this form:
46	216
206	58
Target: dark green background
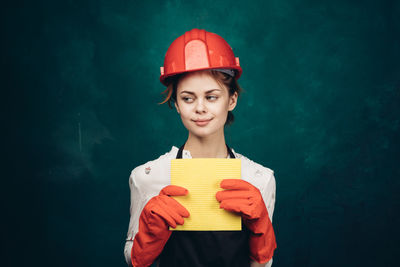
320	108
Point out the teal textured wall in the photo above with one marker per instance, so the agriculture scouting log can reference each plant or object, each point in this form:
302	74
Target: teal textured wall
320	108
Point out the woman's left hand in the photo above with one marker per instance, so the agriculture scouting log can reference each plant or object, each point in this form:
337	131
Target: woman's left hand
244	198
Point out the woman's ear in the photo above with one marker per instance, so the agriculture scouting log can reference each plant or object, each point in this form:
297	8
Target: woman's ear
232	101
177	108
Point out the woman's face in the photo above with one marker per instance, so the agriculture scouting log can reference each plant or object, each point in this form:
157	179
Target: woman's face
203	104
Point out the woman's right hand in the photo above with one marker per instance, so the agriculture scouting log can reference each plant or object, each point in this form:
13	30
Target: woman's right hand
160	213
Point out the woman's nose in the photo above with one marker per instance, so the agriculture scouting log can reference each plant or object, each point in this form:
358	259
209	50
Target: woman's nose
200	106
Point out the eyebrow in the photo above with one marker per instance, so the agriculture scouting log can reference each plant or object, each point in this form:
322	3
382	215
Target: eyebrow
209	91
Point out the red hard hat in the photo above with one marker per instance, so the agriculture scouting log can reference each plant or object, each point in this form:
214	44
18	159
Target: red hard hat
198	50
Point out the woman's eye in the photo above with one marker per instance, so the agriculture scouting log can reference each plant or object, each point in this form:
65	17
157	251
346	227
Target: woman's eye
212	97
187	99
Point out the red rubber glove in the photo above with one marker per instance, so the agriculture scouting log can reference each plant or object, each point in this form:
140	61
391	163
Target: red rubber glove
244	198
159	213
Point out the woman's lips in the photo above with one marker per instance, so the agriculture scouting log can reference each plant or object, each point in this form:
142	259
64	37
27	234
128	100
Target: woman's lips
202	122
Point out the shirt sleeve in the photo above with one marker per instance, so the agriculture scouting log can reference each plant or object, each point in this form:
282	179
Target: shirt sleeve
269	196
138	201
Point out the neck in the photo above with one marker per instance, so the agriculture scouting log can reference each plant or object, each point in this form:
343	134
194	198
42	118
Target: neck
207	147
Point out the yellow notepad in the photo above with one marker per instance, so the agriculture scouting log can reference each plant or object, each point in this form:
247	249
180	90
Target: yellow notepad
202	177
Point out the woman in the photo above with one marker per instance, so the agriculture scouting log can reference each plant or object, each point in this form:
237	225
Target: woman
201	72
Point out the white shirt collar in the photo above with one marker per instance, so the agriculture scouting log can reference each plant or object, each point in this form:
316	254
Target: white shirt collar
186	153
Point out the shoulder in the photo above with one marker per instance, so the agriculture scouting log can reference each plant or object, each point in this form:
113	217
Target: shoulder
250	165
255	173
154	174
155	164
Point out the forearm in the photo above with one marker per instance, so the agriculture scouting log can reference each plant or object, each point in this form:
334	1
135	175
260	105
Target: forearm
256	264
127	252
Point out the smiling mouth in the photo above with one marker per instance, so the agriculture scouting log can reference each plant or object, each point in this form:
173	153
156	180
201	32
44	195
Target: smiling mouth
202	122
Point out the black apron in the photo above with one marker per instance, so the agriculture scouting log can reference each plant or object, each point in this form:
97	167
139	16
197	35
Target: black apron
206	248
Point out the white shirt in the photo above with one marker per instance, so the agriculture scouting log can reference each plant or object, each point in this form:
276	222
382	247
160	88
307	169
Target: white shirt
147	180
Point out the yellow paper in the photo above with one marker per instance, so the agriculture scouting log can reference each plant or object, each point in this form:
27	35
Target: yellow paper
202	177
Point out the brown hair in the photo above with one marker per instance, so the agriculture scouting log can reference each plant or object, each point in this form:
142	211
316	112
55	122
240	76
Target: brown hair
221	78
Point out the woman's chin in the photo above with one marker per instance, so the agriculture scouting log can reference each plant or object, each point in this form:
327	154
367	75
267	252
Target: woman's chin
202	133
